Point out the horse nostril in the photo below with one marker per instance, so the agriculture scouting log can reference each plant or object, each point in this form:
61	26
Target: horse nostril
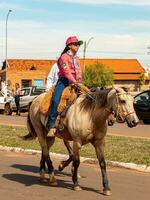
134	123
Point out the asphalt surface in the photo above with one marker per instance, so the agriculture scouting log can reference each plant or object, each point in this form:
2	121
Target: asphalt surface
117	129
19	179
141	130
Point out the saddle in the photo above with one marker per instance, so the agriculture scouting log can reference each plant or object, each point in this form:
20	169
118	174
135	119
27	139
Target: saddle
68	95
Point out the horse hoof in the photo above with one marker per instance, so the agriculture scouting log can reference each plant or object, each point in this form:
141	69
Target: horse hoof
107	192
60	167
42	176
53	181
77	188
79	176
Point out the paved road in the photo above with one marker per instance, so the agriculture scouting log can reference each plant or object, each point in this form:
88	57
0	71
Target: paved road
19	179
141	130
118	129
13	120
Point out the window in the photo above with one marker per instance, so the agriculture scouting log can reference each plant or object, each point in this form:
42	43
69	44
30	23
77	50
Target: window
143	99
38	82
25	92
33	67
26	83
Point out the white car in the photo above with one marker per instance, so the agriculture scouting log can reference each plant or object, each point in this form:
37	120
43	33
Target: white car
4	99
26	98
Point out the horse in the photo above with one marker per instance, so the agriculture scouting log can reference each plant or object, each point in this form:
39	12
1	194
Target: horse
84	122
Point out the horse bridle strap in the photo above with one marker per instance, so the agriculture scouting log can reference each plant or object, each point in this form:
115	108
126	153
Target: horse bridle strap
119	108
109	110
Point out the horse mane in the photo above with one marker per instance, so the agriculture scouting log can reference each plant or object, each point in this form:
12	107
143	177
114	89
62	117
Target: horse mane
96	100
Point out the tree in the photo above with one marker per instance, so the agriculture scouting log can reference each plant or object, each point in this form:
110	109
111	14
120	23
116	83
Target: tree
97	76
142	79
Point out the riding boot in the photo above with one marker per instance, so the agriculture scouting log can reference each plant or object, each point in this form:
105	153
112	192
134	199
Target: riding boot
52	131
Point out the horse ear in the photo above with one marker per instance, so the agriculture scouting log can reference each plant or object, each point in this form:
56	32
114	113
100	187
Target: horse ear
111	93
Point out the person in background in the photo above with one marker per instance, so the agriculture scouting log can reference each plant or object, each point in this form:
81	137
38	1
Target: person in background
69	72
52	77
17	93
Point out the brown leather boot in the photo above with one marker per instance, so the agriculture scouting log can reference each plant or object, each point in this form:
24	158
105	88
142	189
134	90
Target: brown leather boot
51	132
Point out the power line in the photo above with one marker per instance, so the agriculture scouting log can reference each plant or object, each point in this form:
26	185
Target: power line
117	52
103	52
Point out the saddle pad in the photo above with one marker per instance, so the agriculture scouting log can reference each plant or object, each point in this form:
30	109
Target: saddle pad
45	105
46	102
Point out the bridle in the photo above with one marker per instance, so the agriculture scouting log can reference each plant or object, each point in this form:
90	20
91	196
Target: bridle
121	114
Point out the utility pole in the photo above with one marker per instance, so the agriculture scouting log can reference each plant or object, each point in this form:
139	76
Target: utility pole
6	84
86	44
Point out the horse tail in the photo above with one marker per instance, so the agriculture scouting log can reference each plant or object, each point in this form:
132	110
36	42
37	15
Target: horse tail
32	133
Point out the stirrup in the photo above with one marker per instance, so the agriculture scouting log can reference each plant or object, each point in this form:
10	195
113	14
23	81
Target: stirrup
51	132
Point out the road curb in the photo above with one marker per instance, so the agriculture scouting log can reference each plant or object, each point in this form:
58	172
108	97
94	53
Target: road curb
133	166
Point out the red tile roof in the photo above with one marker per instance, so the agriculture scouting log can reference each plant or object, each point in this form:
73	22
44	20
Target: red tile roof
124	69
27	64
118	65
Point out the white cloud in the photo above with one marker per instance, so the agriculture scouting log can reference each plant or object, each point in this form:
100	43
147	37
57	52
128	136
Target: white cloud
7	6
115	2
31	39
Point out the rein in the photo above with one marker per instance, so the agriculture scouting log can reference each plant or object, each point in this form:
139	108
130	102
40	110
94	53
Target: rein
85	91
119	112
89	95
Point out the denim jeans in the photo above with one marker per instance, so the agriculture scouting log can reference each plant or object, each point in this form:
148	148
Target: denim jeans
62	83
17	101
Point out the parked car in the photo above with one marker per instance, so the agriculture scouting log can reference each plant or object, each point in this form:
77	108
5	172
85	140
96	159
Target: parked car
4	99
142	106
26	98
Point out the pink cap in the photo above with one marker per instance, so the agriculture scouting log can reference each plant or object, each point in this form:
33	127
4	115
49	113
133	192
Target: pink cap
73	39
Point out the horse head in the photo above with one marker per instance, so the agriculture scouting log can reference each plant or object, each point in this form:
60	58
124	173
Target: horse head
121	103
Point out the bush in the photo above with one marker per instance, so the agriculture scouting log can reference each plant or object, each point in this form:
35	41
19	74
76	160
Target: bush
97	76
142	79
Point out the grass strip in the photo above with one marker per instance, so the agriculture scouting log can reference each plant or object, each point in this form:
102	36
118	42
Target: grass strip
117	148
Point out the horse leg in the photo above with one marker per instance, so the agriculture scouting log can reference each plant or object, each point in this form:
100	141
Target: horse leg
45	144
52	179
99	148
76	163
42	168
65	163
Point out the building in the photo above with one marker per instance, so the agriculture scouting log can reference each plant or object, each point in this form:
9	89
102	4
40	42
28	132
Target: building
34	72
26	72
126	72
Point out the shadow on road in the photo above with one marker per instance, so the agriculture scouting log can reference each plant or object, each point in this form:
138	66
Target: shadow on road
34	169
29	180
29	168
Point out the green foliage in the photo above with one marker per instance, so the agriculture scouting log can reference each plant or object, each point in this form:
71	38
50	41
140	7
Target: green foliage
142	79
97	76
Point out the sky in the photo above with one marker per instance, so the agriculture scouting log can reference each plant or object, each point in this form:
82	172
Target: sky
38	29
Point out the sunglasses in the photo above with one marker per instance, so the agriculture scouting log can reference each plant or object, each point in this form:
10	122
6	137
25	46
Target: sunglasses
75	44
